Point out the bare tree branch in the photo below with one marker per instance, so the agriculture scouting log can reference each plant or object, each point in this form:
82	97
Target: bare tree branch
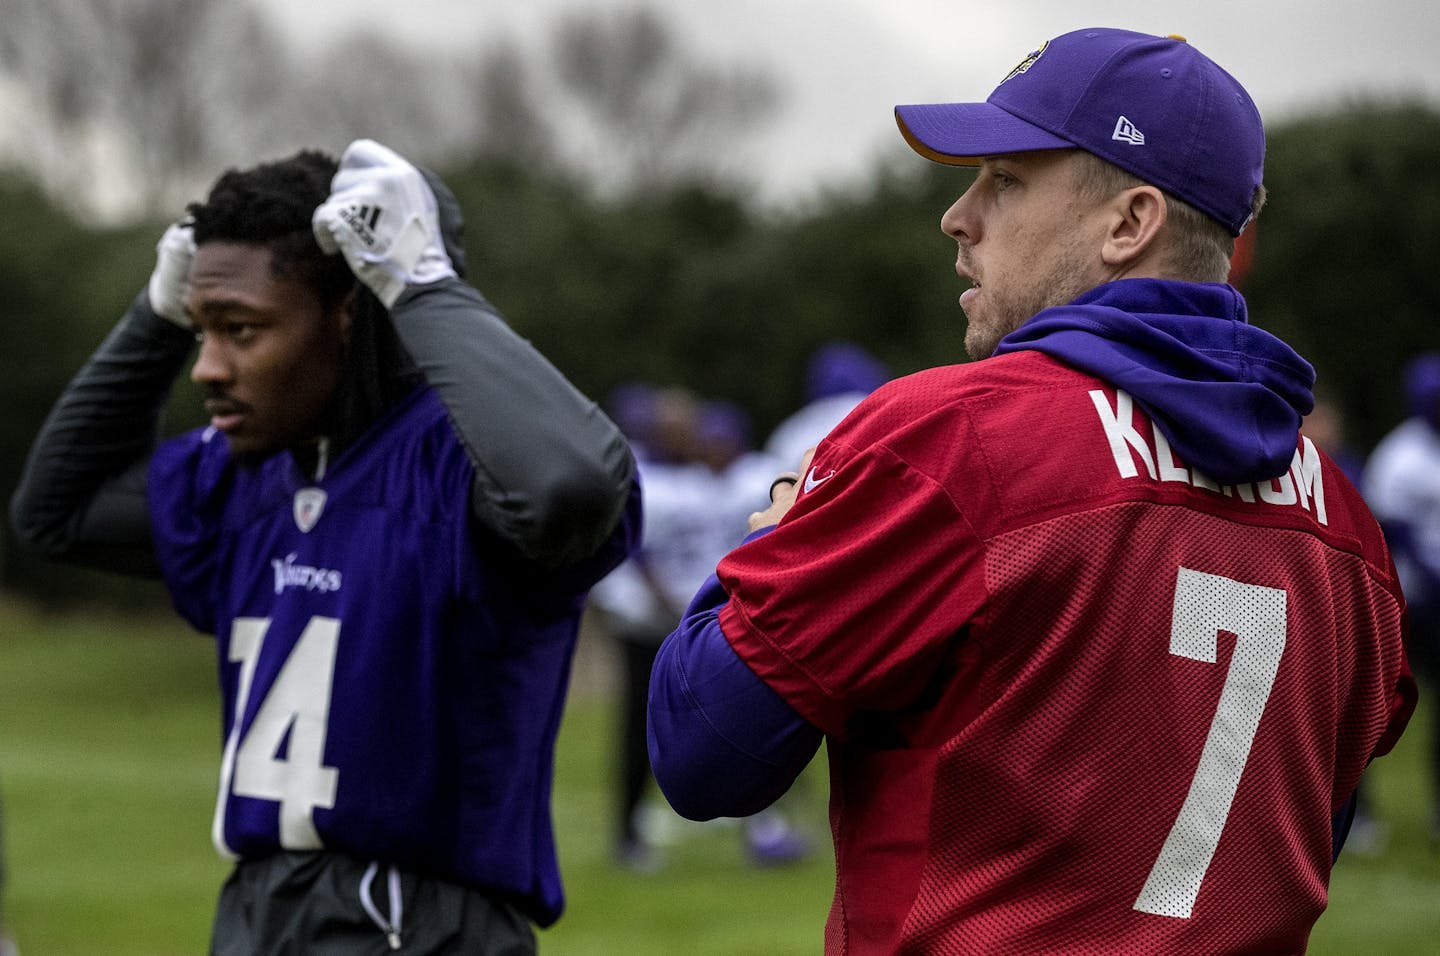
143	99
654	114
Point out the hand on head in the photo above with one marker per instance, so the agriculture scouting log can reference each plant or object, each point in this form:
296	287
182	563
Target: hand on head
383	217
166	290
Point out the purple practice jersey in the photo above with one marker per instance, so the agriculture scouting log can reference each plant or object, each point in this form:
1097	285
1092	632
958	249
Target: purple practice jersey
372	646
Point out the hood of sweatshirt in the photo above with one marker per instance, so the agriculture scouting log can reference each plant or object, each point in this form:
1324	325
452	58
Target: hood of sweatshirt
1228	396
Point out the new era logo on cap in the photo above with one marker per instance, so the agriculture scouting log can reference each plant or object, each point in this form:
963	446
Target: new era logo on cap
1127	132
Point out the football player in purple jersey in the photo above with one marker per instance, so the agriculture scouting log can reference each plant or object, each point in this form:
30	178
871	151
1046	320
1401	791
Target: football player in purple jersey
389	525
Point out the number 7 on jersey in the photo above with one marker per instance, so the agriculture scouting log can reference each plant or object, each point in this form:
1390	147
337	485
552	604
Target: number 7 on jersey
1206	604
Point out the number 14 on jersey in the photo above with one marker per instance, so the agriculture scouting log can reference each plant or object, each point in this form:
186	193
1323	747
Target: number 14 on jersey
296	710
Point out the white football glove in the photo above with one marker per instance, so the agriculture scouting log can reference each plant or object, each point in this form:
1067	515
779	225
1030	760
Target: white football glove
383	217
172	271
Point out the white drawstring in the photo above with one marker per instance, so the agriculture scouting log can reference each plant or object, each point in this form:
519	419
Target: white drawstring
322	458
391	929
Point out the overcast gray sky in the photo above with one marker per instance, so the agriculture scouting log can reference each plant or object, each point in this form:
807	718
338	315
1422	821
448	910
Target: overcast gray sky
843	64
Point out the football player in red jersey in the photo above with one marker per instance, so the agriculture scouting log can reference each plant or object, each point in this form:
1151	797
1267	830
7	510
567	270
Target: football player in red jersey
1100	643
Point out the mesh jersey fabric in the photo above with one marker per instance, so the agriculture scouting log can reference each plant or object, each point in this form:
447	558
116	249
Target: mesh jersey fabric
1081	699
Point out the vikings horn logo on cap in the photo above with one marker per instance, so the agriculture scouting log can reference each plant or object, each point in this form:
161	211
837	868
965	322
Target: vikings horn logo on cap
1028	62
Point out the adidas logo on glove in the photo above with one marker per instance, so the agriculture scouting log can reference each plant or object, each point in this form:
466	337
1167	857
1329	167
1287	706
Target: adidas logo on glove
363	220
383	216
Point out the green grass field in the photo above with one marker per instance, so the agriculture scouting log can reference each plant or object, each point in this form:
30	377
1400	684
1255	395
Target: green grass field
108	752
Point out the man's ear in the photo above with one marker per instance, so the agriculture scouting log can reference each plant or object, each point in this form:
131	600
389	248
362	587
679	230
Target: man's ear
1138	216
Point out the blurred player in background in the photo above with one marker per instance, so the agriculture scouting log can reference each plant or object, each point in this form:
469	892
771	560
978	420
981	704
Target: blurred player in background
390	526
640	602
1402	484
837	377
702	481
1099	643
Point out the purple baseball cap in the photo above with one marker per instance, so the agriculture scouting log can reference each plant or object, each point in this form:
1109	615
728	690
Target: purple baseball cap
1154	106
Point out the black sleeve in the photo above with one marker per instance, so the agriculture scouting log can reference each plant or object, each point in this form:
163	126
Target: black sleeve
81	496
553	473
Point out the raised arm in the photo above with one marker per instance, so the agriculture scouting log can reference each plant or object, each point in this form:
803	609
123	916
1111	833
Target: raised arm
553	473
552	470
81	496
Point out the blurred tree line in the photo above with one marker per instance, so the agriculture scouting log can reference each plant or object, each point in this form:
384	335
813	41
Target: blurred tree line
667	271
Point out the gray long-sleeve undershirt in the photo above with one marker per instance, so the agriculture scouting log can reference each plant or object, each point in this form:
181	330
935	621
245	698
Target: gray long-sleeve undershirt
553	473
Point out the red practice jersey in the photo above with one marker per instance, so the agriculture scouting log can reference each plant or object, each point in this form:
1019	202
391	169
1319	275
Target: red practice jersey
1079	697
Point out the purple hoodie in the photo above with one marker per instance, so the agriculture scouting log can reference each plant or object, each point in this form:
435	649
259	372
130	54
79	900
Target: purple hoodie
1228	396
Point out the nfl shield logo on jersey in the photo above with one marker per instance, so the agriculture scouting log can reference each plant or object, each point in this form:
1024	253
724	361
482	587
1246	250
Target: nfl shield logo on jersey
309	504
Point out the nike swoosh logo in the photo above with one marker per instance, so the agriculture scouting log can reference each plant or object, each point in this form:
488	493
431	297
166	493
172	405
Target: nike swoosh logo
811	482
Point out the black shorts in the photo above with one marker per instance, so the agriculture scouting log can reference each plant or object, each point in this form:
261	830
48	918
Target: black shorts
328	904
